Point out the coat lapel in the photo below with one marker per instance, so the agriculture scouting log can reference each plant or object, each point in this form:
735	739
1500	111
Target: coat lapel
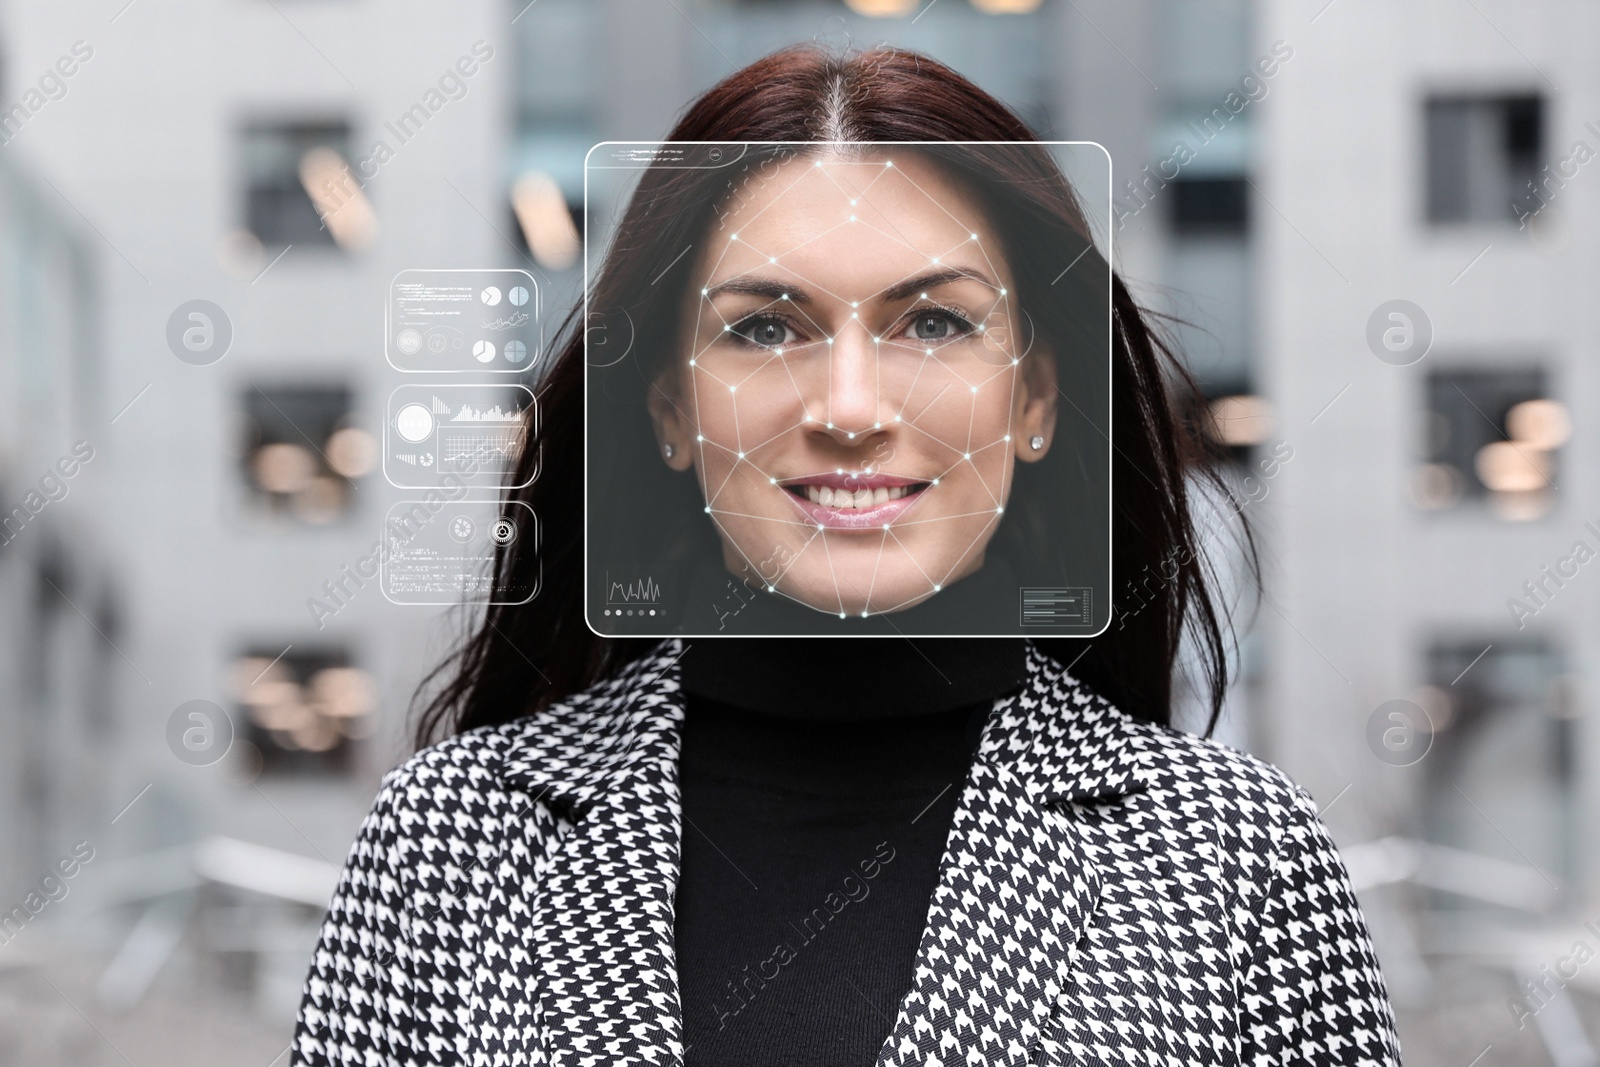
1017	887
597	941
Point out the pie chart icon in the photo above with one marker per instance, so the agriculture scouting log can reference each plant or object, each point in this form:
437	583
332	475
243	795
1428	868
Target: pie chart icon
483	351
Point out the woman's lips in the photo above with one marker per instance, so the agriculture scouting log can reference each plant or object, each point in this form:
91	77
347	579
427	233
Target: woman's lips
851	502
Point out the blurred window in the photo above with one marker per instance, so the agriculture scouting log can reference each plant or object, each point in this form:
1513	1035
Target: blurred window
277	207
1493	436
1209	206
302	450
1500	769
303	710
1483	156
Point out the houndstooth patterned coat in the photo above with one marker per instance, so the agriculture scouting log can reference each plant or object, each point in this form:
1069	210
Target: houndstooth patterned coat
1111	892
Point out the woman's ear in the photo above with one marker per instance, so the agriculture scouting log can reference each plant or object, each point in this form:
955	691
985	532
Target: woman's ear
674	433
1037	422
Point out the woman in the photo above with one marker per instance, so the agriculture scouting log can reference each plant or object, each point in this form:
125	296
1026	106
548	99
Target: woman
842	851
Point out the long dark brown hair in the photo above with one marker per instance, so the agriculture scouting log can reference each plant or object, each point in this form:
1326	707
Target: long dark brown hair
518	659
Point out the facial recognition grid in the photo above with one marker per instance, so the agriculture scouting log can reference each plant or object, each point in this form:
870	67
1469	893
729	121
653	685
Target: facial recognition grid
454	431
783	339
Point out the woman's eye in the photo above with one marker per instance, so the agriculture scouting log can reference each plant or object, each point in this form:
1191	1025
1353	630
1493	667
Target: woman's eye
769	333
936	326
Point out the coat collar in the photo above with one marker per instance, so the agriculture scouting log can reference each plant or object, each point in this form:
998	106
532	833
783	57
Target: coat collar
1016	884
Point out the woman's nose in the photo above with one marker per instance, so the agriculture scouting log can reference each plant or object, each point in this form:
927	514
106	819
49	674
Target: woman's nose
853	386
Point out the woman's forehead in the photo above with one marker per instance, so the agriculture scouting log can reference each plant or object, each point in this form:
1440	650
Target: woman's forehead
852	223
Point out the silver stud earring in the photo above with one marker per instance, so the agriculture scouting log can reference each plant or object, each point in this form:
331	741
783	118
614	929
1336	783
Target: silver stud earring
668	450
1036	442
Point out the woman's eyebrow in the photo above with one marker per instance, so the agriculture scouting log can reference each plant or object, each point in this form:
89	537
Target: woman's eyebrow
929	279
770	288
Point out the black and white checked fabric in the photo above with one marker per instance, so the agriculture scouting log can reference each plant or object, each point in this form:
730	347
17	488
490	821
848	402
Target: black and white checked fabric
1112	892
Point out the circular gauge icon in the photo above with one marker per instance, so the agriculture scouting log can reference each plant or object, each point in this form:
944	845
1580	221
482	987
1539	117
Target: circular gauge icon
414	423
483	351
462	529
516	351
437	342
503	532
490	296
409	342
518	295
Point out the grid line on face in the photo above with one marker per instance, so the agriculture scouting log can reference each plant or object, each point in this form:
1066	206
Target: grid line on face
742	454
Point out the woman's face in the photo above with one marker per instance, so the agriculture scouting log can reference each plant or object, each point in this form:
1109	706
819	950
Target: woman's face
849	388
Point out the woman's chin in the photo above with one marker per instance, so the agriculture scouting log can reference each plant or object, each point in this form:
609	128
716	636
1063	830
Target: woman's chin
823	594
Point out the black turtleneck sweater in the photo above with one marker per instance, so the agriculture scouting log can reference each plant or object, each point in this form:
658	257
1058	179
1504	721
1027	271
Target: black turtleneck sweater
819	777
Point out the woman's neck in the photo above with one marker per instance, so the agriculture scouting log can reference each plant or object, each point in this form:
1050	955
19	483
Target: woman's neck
853	678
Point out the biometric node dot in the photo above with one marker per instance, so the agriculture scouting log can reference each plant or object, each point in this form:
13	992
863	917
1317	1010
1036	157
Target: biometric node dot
924	296
935	259
851	436
998	510
852	218
841	614
785	296
980	328
769	588
726	327
774	481
936	587
974	388
772	259
888	162
927	351
855	315
863	614
699	437
735	389
741	455
734	237
830	340
897	418
705	292
1002	292
936	481
1007	437
877	340
877	426
1013	363
974	237
837	470
819	526
830	426
966	455
852	203
777	351
708	509
691	363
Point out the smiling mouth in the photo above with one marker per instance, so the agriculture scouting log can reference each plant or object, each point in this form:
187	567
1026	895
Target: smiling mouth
854	501
844	497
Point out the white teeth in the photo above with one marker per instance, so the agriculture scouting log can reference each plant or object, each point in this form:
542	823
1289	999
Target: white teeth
827	496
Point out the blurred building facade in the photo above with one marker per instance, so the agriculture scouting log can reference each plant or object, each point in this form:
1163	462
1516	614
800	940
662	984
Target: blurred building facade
1282	175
